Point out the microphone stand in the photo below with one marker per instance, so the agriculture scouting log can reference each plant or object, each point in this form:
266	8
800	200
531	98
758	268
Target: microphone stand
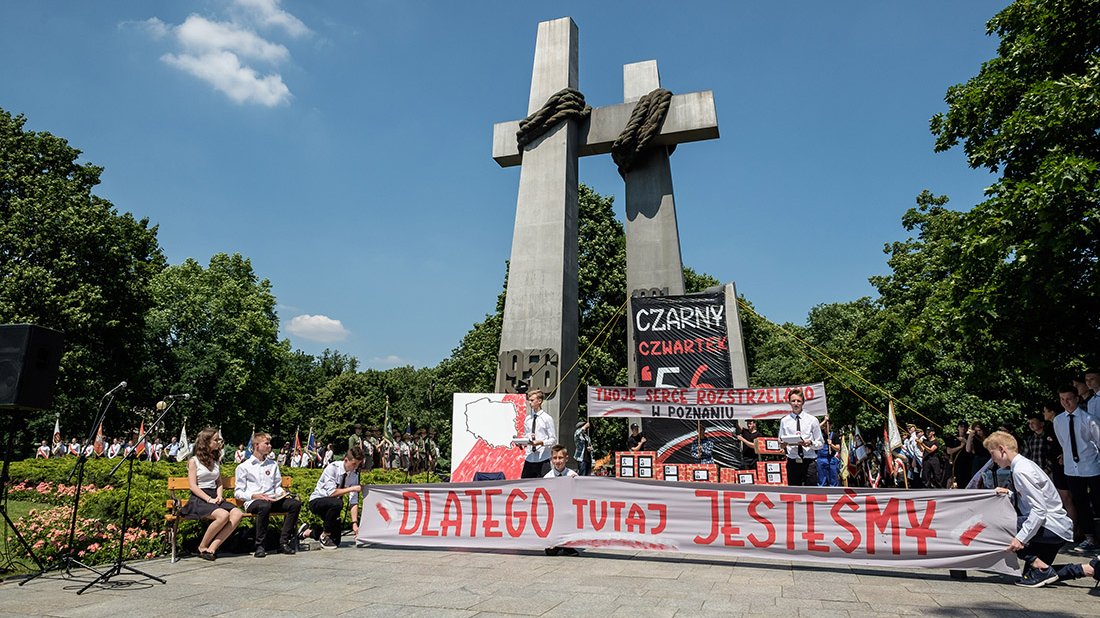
7	558
119	565
66	562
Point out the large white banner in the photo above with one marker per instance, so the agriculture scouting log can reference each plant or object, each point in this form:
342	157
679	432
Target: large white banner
958	529
704	404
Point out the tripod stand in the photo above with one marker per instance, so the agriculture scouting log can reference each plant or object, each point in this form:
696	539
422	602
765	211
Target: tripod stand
67	561
8	560
119	565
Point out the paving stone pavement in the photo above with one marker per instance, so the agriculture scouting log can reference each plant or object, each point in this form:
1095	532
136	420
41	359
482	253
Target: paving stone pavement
380	581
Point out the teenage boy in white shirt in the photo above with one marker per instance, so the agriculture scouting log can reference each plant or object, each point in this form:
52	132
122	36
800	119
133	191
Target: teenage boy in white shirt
259	485
559	455
1044	527
327	500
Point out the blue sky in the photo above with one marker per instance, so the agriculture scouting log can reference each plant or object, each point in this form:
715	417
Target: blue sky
345	146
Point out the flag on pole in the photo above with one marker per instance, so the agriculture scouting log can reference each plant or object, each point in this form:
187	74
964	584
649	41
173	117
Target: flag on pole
311	447
99	446
893	438
844	459
184	450
859	446
889	451
297	441
388	426
57	430
140	448
248	449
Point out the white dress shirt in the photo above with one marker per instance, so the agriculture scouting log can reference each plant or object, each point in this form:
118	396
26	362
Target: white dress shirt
791	435
1087	430
1038	502
257	477
333	477
568	472
544	431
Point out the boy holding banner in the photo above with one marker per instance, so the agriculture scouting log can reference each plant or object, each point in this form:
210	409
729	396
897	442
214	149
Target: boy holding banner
1044	527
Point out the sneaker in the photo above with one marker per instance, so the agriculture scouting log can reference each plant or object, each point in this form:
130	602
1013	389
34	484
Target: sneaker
287	549
327	542
361	544
1037	578
569	551
260	552
1087	546
553	551
302	531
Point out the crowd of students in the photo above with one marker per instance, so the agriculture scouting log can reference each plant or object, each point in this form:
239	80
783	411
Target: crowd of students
151	449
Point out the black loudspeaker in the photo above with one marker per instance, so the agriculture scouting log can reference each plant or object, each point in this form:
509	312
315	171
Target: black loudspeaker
29	357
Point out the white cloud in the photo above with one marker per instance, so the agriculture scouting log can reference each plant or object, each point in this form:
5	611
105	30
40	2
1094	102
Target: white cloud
224	53
268	13
392	360
203	36
153	27
223	71
319	328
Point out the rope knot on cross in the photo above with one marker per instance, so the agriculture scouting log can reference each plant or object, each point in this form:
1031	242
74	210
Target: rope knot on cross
565	104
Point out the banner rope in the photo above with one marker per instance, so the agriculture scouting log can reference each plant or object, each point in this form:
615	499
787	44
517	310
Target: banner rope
614	318
839	364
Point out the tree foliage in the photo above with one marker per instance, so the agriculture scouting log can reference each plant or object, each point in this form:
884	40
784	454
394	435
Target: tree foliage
215	335
998	303
69	261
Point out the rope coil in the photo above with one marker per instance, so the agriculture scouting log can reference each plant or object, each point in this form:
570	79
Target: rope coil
565	104
644	125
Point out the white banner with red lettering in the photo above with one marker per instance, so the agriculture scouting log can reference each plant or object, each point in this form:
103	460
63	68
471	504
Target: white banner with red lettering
959	529
704	404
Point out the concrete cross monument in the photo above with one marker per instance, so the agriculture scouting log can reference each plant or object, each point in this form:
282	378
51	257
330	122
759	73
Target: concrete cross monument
539	335
653	262
538	342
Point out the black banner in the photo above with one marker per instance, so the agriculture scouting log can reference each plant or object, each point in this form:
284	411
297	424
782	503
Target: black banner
682	341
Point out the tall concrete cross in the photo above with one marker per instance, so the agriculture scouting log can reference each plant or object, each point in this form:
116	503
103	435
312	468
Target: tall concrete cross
653	261
538	342
539	335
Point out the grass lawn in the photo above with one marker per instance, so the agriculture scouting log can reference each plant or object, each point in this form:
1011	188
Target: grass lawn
16	510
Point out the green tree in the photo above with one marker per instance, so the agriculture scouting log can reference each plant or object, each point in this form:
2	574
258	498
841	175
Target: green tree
1024	278
215	334
70	261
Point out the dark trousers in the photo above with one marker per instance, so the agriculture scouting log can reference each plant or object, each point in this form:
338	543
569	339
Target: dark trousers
1045	550
1086	497
329	510
535	469
262	510
796	472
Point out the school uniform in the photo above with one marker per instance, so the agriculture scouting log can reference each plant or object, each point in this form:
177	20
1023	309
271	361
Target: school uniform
327	506
1079	435
541	426
263	477
793	428
1043	525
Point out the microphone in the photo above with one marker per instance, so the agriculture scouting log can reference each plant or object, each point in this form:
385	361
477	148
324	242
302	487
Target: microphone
116	390
184	396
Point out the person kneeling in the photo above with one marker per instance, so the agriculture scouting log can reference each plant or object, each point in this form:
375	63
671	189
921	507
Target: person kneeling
327	502
1043	524
558	458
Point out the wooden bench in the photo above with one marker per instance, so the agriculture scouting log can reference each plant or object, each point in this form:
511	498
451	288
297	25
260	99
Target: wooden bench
173	505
